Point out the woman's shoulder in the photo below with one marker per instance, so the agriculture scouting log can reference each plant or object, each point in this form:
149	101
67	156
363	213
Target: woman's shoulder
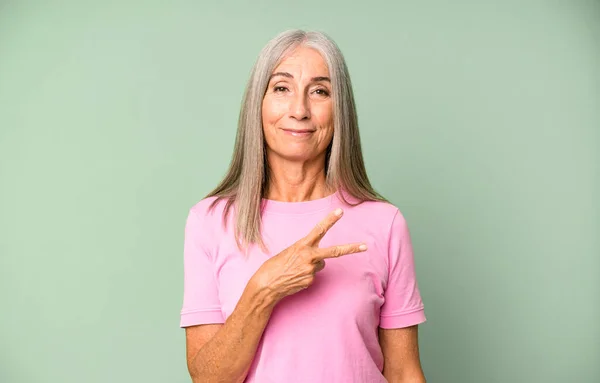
379	214
381	206
378	208
209	207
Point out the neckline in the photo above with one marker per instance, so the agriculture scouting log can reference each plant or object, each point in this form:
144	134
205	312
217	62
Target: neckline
302	207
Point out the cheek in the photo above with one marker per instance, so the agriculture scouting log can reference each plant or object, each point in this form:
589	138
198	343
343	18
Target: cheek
324	114
272	111
265	111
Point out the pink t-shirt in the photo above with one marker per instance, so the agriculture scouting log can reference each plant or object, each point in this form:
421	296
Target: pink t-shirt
328	332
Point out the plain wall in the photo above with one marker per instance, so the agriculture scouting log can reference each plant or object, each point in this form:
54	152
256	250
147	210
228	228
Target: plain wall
480	120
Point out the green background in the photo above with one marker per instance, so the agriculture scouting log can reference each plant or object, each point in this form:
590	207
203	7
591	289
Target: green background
479	120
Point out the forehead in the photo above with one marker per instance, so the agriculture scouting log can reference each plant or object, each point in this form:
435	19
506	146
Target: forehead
303	59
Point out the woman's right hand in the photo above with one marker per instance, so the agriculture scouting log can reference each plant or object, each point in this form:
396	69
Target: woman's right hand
294	268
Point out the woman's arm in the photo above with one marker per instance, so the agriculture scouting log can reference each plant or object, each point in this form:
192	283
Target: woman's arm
227	355
401	362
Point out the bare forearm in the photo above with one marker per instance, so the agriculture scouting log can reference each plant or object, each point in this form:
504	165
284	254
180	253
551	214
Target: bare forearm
227	356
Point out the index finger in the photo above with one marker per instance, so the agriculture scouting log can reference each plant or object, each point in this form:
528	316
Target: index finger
338	251
318	232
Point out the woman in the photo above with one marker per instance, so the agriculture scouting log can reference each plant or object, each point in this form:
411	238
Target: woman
296	270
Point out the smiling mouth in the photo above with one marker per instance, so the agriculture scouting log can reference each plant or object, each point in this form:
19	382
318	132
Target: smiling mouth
299	132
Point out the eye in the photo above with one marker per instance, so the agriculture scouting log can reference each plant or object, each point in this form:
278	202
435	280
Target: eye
322	92
279	88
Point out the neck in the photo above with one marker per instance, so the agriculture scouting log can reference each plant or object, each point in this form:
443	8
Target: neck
291	181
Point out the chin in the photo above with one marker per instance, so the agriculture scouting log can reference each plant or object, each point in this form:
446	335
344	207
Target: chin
293	155
297	157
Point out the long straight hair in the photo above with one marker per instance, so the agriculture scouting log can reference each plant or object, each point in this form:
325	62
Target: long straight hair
247	178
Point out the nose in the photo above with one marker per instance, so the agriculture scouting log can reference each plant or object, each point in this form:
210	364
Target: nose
300	107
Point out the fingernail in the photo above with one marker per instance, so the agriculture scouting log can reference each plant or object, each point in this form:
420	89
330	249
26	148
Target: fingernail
363	247
338	211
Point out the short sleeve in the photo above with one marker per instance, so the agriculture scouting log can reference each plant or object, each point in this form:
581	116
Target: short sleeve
402	306
200	295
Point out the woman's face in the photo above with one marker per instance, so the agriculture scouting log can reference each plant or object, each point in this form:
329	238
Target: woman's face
297	110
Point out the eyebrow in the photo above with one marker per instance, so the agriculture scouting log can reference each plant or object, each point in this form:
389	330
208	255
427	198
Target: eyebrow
289	75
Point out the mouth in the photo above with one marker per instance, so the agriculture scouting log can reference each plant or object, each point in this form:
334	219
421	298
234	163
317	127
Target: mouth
299	132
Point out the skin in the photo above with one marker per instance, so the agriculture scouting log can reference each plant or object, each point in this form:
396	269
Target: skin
298	97
298	163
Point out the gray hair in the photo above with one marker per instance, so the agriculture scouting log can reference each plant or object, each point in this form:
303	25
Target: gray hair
247	178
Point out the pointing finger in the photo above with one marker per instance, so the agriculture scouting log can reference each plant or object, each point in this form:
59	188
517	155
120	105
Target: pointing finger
340	250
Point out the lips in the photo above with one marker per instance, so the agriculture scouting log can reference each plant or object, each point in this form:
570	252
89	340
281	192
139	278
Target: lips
299	130
298	133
